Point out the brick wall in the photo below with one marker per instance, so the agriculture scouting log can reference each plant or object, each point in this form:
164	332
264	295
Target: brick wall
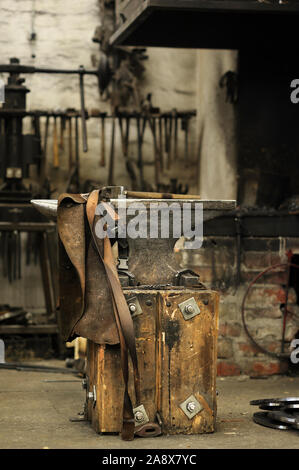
216	264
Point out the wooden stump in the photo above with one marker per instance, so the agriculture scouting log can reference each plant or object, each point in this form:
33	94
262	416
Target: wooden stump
176	357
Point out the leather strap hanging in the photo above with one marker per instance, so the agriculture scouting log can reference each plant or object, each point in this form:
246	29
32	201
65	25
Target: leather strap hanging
123	319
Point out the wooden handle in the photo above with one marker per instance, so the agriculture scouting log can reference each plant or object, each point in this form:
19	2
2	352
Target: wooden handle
55	146
70	136
103	156
145	195
61	143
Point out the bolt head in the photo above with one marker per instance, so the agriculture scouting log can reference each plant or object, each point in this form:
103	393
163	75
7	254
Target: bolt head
189	309
191	406
132	308
139	416
90	395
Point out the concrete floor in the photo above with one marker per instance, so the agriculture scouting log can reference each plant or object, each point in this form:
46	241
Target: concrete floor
35	414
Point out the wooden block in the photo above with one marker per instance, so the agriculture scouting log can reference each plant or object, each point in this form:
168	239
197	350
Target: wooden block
177	359
189	350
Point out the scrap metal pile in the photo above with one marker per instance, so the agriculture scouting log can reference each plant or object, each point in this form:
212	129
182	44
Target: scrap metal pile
278	413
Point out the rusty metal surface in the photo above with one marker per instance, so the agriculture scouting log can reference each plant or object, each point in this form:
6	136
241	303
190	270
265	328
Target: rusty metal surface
85	301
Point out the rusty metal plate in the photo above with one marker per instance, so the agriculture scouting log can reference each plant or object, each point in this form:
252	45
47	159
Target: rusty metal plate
140	415
191	407
189	308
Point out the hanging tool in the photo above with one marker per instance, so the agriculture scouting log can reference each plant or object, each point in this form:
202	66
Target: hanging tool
44	162
185	127
175	116
169	140
77	155
70	143
152	123
161	143
103	156
140	134
83	115
111	161
73	185
62	129
125	149
55	145
36	128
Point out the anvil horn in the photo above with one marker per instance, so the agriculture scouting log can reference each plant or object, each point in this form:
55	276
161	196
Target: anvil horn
47	207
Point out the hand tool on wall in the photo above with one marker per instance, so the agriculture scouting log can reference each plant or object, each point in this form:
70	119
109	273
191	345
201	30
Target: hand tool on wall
152	123
161	143
73	185
111	160
168	135
44	152
175	117
62	129
140	135
166	141
36	129
70	143
83	115
103	156
55	145
125	148
185	127
77	156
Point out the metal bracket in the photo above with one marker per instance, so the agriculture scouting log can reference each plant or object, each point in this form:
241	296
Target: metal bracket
140	415
126	278
134	306
187	278
122	264
93	396
189	308
191	407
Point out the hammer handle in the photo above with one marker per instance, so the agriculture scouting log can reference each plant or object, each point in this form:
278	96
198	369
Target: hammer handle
103	156
55	146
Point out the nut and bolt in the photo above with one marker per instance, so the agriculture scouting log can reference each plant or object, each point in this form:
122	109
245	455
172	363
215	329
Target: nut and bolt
148	302
139	416
191	406
132	308
90	396
189	309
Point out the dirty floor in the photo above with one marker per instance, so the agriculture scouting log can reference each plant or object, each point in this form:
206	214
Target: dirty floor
35	412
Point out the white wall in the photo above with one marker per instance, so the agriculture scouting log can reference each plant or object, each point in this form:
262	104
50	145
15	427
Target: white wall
64	32
216	126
